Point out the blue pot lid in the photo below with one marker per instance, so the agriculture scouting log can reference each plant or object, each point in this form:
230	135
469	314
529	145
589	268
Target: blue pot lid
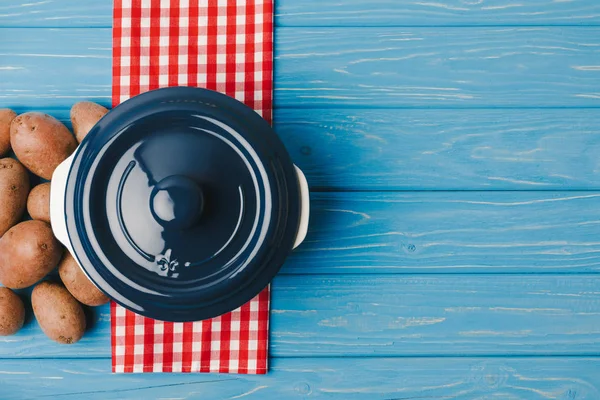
182	204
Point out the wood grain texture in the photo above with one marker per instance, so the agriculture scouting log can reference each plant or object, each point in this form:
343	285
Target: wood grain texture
409	149
364	68
54	67
55	13
75	13
439	12
450	232
392	315
348	379
442	315
438	67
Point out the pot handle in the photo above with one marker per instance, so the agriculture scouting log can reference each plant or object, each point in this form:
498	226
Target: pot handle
58	187
304	207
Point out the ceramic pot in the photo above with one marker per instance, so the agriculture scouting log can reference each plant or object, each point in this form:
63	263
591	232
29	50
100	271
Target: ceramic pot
181	204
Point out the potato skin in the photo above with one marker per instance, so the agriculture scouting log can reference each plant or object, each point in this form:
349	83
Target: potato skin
60	316
78	284
41	142
28	252
12	312
6	117
84	115
14	188
38	202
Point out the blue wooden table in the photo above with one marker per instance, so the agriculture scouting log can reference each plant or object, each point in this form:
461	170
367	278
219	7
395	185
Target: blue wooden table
453	152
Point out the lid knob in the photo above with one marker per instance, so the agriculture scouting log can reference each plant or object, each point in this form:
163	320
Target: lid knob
176	202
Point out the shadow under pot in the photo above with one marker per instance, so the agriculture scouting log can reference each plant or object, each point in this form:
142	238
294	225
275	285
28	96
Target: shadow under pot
181	204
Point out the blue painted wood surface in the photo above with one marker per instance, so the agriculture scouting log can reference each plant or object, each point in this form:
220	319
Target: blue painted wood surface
437	12
452	148
397	315
318	378
325	67
75	13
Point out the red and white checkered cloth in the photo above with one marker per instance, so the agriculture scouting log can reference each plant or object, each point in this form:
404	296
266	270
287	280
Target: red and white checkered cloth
220	45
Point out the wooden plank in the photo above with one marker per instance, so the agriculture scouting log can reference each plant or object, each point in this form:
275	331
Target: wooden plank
394	315
74	13
316	378
365	68
438	67
409	149
441	232
439	149
442	315
441	12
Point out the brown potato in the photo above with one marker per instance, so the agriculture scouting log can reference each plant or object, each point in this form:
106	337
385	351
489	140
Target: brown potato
12	312
28	252
78	284
84	115
14	188
6	117
38	202
60	316
41	142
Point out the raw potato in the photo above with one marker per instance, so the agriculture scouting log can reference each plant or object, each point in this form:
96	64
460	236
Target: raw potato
41	142
38	202
6	117
12	312
60	316
78	283
84	115
28	252
14	188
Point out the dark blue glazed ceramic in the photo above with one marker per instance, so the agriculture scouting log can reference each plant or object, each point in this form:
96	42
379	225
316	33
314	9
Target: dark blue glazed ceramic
182	204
